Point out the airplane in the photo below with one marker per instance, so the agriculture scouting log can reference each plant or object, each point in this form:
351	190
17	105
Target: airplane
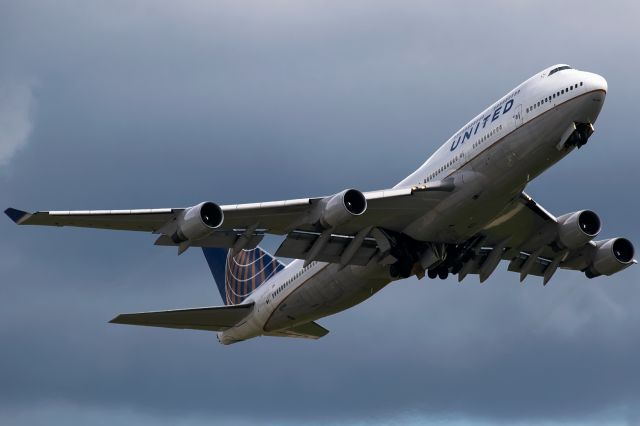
461	212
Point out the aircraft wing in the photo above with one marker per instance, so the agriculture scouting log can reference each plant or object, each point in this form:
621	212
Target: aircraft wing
146	220
242	226
532	240
215	318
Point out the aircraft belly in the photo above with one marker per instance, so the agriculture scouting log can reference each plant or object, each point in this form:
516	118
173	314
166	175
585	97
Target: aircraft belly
330	291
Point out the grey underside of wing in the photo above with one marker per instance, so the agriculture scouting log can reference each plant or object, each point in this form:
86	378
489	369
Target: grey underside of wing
149	220
310	330
298	244
394	212
216	318
528	228
525	224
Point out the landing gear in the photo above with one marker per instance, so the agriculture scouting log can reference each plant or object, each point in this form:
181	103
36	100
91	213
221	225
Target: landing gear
400	269
416	258
441	272
580	135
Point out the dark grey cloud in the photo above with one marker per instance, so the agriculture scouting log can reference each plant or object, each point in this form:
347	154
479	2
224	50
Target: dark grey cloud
144	104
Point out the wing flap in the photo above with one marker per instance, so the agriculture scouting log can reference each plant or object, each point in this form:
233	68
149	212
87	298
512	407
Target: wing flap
214	318
298	244
218	239
538	267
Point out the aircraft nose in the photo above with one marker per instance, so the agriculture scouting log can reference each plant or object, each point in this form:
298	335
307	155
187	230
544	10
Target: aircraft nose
596	87
597	82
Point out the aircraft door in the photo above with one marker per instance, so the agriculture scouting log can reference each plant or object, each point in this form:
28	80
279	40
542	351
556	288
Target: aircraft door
517	116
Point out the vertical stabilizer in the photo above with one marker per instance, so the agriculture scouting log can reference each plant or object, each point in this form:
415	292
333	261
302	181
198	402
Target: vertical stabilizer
237	276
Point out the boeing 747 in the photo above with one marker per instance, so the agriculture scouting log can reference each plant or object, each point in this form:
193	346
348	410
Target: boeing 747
460	213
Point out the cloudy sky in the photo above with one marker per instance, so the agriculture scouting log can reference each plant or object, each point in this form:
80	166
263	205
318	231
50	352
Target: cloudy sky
132	104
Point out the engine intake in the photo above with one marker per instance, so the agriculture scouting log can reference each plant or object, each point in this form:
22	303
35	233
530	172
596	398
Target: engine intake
611	256
198	221
577	229
339	208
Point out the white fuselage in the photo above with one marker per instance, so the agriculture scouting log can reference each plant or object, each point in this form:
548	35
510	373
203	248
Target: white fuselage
490	159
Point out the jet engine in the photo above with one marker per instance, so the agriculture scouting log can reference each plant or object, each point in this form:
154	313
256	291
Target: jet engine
611	256
198	221
341	207
577	229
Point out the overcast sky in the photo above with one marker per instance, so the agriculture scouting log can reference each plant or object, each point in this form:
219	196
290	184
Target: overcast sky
130	104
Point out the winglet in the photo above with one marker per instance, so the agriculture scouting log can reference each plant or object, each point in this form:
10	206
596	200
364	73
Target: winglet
119	319
18	216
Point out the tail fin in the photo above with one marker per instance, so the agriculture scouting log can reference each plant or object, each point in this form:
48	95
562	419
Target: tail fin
237	276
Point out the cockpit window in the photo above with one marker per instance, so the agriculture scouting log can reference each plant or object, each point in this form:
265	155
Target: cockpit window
555	70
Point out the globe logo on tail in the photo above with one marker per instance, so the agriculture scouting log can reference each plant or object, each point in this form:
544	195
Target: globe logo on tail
246	271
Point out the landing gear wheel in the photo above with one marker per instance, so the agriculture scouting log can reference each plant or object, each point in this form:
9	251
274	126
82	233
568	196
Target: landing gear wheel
393	271
400	270
443	274
432	273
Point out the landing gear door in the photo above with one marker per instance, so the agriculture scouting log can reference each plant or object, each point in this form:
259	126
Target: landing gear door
517	115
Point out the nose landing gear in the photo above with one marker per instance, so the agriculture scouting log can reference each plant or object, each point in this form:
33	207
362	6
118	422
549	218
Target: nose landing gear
576	135
581	135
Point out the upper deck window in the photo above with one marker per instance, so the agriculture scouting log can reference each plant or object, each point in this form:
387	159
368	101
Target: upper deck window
555	70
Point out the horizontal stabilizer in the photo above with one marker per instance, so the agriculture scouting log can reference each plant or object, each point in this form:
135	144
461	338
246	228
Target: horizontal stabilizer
310	330
214	318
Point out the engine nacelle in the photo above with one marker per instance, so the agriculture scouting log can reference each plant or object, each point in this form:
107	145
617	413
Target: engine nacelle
577	229
341	207
611	256
198	221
